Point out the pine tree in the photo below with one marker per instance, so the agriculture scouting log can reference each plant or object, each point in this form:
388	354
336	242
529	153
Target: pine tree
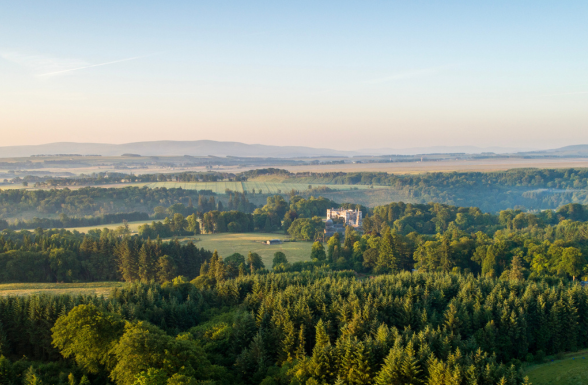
348	242
391	371
288	342
6	373
31	377
301	349
167	269
489	264
516	269
446	255
242	270
387	258
322	338
410	366
146	263
361	373
127	261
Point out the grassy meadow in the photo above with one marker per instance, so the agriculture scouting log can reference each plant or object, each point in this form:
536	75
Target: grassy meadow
571	370
22	289
242	243
133	226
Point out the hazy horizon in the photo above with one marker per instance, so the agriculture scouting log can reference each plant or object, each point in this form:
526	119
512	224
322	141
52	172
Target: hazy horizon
375	150
340	75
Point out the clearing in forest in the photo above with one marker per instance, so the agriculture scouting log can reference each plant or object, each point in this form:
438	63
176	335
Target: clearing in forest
242	243
89	288
572	370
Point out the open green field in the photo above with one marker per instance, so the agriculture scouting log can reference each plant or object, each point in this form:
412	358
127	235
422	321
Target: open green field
572	370
133	226
228	243
264	187
20	289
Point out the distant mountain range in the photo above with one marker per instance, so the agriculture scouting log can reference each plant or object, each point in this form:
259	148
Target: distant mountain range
441	150
575	150
215	148
168	147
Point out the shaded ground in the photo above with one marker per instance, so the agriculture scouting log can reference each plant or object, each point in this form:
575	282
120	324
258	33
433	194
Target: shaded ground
133	226
249	187
22	289
572	370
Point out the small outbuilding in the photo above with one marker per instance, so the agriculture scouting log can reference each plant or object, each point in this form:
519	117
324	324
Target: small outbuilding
273	242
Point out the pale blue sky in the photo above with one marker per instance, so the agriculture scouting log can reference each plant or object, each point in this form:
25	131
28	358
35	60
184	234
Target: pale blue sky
332	74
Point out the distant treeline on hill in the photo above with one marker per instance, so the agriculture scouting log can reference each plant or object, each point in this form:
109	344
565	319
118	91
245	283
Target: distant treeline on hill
525	189
530	189
65	221
95	200
100	255
236	202
276	214
117	177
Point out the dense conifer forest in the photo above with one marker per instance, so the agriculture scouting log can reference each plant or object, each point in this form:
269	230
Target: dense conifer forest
318	327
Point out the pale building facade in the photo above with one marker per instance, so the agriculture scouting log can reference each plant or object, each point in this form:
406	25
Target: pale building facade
352	218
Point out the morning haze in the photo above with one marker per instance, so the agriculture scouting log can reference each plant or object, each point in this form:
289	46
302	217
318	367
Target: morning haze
344	74
293	193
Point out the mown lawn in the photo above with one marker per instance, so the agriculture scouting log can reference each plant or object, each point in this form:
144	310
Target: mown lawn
21	289
242	243
571	370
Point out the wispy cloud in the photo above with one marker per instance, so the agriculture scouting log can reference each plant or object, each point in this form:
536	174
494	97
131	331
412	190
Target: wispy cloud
39	64
46	66
411	74
568	93
93	65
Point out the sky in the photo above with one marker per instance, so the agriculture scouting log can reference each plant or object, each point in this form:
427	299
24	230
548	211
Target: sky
335	74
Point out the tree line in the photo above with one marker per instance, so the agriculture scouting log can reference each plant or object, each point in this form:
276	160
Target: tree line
94	200
97	206
434	237
532	189
66	221
100	255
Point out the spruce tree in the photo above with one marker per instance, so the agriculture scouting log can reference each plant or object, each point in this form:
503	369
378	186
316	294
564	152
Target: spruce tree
127	260
301	349
387	258
446	255
6	373
516	269
31	377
